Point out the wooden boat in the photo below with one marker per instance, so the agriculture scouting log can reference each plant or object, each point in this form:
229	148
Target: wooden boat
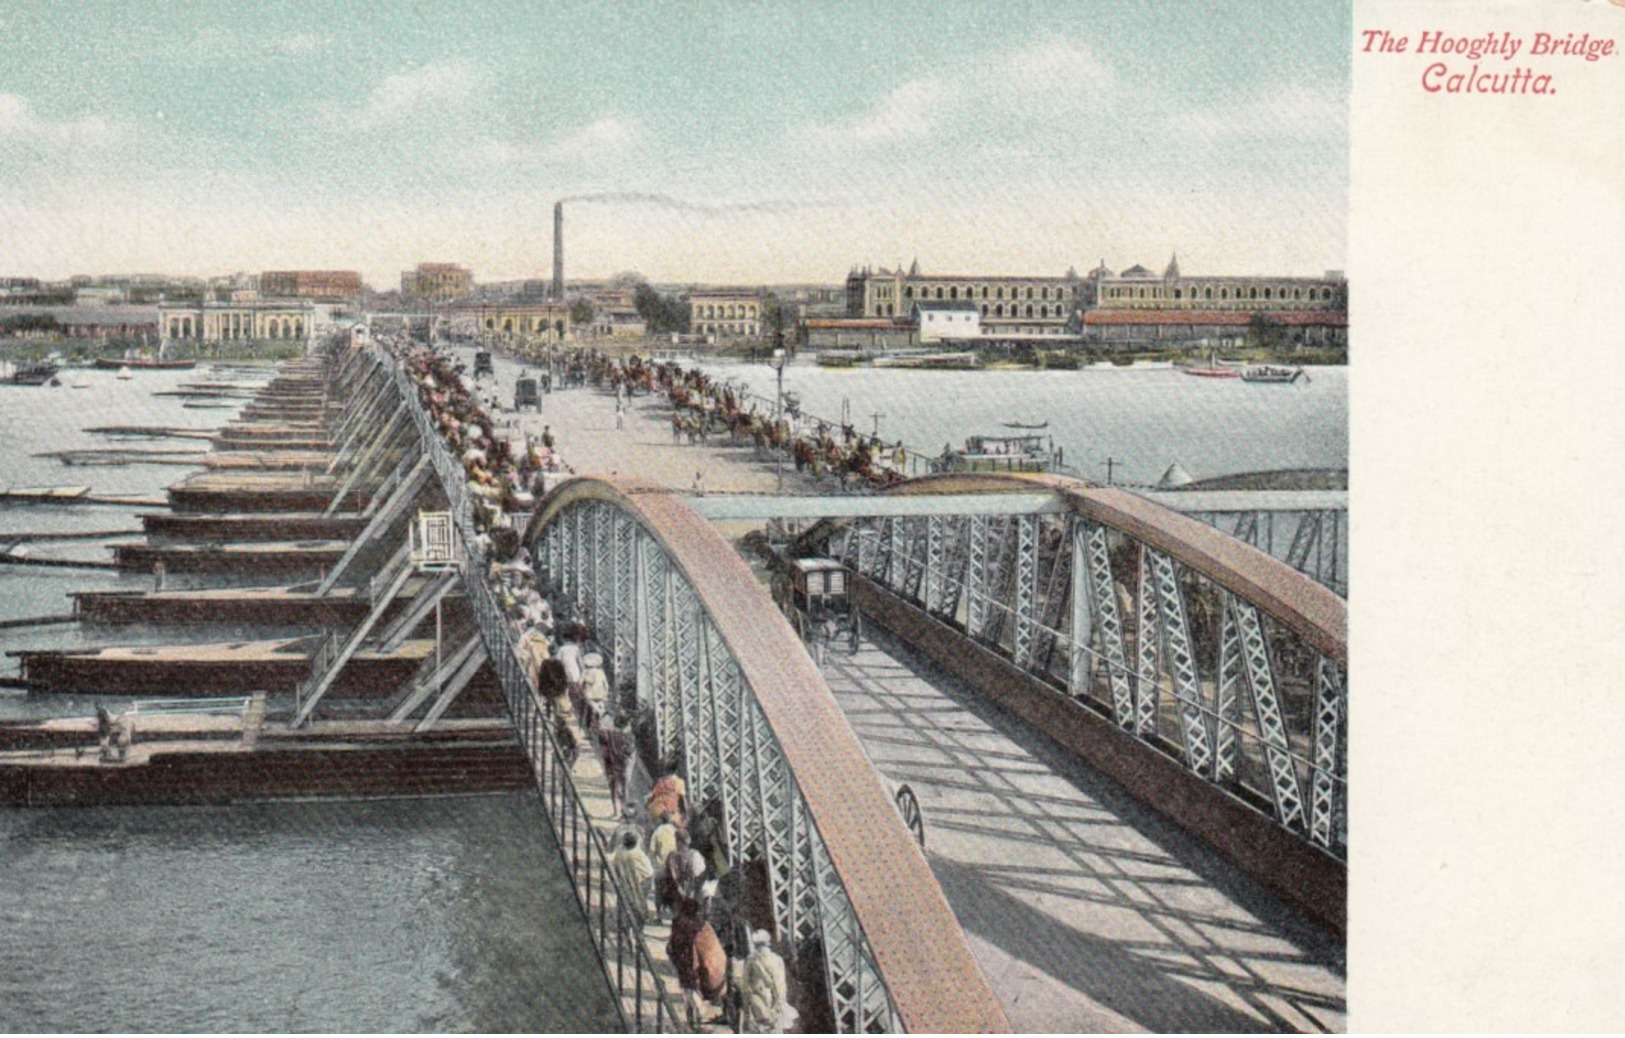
33	374
1272	373
276	666
1214	369
254	557
951	361
841	358
1023	453
143	364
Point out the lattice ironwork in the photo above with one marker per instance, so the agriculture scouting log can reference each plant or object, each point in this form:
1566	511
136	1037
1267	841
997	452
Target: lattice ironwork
1326	796
686	670
1105	619
893	561
1267	709
1306	540
587	547
1232	676
1147	689
955	558
625	598
1181	661
913	559
1054	625
861	548
999	577
664	632
604	572
704	710
934	563
976	564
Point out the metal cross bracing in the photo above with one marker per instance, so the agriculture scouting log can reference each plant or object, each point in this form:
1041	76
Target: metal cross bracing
1170	656
704	716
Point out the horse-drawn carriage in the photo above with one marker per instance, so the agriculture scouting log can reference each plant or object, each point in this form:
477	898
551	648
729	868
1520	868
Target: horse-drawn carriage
818	601
526	393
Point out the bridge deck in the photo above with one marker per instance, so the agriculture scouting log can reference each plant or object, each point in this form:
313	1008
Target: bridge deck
1085	911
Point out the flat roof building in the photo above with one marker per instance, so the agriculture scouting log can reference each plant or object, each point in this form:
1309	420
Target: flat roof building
335	286
438	282
1006	305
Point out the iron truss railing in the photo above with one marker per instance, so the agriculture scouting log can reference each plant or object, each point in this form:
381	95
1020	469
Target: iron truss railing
646	614
1168	653
644	1002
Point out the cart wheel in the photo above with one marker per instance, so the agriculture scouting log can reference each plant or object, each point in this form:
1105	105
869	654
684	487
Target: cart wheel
908	805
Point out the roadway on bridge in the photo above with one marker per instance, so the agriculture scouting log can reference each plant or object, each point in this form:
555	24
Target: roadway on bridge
583	421
1086	911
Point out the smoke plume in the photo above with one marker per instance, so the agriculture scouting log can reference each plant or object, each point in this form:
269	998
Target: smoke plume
677	205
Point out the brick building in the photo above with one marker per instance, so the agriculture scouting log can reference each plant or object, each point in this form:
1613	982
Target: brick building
333	286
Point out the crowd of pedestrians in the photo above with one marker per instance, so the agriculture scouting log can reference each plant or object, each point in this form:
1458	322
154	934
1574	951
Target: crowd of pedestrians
669	864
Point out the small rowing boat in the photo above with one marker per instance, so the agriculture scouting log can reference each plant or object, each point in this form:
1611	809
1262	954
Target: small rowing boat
144	364
1272	373
1213	370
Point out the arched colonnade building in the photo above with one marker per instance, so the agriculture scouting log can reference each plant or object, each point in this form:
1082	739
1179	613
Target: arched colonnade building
238	322
1005	305
725	314
511	320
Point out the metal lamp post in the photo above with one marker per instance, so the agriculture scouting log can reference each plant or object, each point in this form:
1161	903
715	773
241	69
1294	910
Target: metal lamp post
778	410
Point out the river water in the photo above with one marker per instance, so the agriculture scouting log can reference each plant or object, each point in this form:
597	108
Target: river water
401	915
445	914
1142	419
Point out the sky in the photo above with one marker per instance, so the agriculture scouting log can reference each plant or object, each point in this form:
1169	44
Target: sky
791	140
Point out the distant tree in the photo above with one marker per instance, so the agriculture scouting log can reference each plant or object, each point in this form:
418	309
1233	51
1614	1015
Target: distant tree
582	312
778	319
29	323
1265	332
662	313
45	297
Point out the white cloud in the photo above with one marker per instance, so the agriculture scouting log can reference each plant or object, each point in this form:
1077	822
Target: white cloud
1047	75
1298	112
18	121
600	137
1059	70
909	112
408	95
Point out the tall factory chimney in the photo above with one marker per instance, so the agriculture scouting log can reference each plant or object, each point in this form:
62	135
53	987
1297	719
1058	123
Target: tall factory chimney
558	250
